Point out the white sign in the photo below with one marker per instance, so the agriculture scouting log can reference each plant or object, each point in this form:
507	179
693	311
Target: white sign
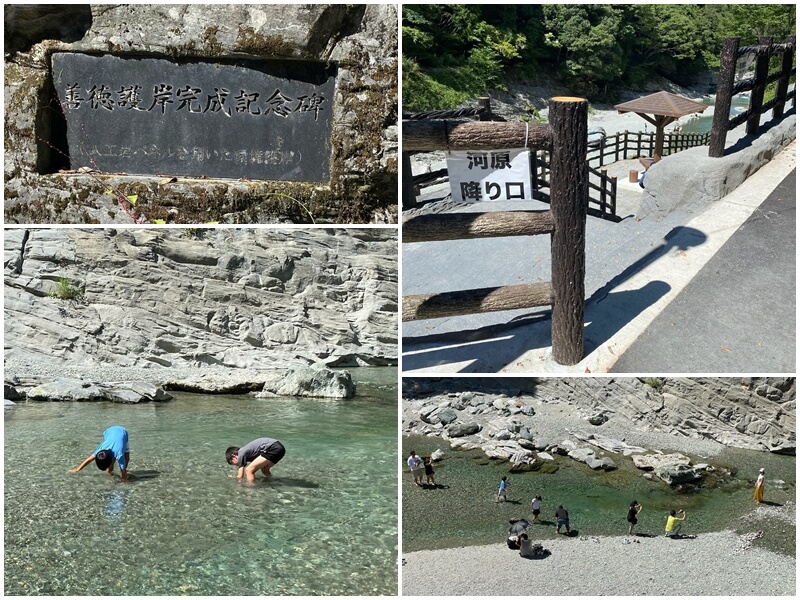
481	175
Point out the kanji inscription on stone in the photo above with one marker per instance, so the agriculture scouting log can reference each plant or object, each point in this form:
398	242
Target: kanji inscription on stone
245	119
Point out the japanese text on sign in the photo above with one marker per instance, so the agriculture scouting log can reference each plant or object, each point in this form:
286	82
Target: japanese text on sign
192	99
489	175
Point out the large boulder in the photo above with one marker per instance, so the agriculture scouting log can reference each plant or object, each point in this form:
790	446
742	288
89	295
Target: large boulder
676	473
76	390
650	462
316	382
66	390
463	429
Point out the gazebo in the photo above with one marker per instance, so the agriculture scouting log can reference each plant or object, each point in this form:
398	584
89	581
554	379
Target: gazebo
661	109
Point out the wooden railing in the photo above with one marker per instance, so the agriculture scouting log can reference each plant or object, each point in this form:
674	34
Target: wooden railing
633	144
564	137
756	85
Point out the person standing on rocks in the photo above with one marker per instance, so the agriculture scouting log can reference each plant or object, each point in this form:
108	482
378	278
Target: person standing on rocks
536	508
417	467
260	454
114	447
759	495
633	510
501	493
562	519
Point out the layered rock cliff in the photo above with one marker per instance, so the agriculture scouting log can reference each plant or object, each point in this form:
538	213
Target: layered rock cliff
756	413
253	298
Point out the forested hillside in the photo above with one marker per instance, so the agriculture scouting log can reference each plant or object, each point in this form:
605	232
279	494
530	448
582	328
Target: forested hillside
453	52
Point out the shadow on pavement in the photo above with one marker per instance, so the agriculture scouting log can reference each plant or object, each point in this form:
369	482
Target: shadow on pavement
492	348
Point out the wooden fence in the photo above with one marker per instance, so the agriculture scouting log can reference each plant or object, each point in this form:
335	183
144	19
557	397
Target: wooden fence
565	139
628	144
602	187
756	85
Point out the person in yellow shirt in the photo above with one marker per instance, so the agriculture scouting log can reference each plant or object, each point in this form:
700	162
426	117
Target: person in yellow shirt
673	523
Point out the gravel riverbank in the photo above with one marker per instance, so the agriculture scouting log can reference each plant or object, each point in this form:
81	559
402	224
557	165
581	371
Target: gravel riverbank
717	564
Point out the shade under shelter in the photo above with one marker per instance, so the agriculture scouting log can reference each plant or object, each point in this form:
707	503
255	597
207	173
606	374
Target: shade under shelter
661	109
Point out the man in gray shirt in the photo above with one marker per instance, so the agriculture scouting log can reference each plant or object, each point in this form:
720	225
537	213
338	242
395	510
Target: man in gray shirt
263	454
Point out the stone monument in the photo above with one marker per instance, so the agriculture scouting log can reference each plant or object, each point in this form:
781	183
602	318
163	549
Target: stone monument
194	114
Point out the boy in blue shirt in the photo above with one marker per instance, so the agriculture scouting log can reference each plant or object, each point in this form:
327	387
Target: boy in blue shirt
114	447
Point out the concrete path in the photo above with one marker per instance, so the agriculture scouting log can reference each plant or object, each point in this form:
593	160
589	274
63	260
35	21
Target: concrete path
634	271
738	314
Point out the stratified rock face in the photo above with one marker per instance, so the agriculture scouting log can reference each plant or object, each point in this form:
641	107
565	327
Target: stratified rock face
755	413
259	298
748	412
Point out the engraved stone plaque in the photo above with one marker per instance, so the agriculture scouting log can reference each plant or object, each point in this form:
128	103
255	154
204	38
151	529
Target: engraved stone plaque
227	119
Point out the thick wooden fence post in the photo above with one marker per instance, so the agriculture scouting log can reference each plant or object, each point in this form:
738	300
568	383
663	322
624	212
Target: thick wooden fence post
486	104
783	82
757	95
409	192
569	190
722	105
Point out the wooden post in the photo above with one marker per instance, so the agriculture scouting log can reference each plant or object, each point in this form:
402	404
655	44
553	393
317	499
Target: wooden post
783	82
569	190
603	192
722	105
409	193
757	95
485	103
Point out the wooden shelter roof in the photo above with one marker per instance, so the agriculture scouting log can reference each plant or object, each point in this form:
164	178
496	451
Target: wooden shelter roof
662	104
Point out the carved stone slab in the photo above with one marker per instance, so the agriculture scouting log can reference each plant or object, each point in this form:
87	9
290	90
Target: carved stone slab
257	120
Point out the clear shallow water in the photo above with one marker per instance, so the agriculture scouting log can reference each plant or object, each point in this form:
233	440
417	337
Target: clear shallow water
326	523
462	511
702	124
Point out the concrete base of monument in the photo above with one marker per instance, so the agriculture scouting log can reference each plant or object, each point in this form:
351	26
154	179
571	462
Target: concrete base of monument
634	270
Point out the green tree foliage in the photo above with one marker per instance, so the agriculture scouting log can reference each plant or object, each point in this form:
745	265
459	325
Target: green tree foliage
452	53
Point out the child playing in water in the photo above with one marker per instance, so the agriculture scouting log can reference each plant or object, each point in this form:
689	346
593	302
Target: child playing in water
114	447
261	454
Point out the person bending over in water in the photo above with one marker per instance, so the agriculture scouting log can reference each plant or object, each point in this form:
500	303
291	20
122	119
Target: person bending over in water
114	447
263	453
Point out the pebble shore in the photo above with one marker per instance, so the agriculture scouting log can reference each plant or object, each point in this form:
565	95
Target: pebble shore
712	564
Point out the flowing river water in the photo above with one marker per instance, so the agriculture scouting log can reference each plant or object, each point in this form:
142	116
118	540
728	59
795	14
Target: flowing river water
460	510
325	523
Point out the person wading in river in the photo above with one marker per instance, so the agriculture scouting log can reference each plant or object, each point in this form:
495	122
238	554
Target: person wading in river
759	495
261	454
114	447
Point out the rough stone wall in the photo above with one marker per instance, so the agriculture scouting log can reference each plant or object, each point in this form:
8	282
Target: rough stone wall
361	39
690	180
255	298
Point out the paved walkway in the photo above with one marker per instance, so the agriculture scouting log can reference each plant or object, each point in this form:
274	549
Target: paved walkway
738	314
634	271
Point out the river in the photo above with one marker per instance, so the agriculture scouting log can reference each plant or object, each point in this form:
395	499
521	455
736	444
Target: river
326	522
461	510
